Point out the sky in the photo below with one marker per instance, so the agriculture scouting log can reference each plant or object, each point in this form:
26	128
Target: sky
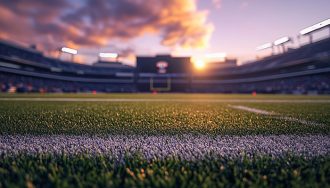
150	27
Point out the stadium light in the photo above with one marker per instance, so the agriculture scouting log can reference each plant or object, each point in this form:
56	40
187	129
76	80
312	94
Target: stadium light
69	50
264	46
108	55
315	27
281	41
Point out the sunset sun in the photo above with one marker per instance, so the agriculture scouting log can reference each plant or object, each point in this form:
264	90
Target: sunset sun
199	64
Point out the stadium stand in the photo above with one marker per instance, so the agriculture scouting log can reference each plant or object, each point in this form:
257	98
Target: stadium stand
302	70
28	68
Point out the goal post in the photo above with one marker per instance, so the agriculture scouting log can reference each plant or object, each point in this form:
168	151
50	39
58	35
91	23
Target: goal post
160	84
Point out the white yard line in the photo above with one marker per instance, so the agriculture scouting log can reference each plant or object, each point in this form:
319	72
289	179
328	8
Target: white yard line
187	146
254	110
163	100
275	115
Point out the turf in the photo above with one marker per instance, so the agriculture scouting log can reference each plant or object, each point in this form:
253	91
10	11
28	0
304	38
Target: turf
155	118
148	118
82	171
313	112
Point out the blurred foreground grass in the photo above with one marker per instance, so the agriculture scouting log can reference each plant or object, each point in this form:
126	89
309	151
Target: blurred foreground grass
83	171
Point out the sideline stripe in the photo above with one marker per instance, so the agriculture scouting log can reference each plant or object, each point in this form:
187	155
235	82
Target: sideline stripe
254	110
166	100
186	146
275	115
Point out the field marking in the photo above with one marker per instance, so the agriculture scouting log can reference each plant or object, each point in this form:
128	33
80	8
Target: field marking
186	146
165	100
254	110
275	115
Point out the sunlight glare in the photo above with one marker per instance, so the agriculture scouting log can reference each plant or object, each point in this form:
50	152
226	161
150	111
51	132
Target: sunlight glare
199	64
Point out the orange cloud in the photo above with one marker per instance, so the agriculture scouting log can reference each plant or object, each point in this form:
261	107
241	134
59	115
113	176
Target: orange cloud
93	23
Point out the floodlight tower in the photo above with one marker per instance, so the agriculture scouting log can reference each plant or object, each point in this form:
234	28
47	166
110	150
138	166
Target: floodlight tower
70	51
108	55
266	46
309	30
281	42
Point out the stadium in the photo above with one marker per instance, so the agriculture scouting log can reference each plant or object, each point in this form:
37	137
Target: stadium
302	70
207	119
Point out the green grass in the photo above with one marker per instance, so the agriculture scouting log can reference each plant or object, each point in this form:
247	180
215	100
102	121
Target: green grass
161	118
319	113
152	118
82	171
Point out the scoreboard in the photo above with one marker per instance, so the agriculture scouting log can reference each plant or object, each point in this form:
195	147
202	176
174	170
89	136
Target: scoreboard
163	73
164	64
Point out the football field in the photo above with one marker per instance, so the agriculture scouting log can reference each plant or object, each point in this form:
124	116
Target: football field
164	140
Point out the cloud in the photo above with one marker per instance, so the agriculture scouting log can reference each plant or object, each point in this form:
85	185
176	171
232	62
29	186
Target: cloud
94	23
32	21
